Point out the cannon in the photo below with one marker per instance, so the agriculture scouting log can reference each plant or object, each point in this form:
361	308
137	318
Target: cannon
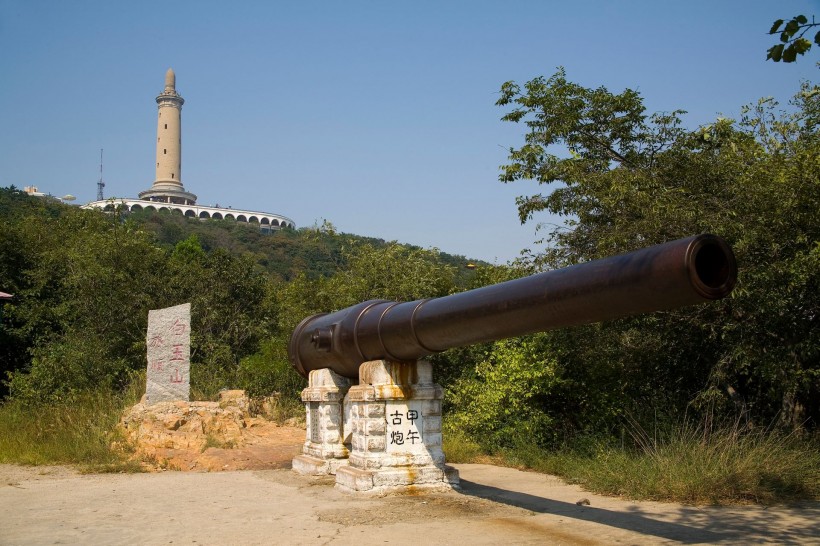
662	277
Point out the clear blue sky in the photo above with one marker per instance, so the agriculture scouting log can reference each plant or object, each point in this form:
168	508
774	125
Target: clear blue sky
378	116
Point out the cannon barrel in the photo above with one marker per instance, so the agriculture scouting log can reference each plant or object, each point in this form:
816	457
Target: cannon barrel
665	276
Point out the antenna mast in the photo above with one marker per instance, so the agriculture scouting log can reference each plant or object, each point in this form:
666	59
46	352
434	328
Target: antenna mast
100	184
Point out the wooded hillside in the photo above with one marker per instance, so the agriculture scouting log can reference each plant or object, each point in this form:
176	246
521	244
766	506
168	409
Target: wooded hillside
84	281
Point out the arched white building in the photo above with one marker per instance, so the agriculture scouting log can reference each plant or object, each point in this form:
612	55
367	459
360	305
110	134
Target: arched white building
167	191
264	219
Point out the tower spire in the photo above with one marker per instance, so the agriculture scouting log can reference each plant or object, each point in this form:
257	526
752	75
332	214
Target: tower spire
170	80
100	184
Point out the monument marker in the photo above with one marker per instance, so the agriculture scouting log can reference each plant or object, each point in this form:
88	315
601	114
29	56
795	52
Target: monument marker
169	354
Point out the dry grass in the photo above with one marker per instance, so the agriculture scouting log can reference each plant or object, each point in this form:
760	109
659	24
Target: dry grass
692	464
80	430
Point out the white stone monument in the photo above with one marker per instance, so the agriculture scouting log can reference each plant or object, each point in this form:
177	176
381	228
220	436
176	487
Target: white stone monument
169	354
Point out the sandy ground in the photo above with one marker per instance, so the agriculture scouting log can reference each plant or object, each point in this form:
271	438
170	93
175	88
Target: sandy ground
56	505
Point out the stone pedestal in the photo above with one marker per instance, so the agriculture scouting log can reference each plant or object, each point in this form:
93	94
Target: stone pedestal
324	450
394	415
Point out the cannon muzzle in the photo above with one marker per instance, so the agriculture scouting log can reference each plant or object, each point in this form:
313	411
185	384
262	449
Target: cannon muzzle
666	276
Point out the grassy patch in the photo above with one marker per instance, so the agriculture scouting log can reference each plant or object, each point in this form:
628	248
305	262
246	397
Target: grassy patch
78	431
458	448
283	408
690	465
732	464
279	408
217	442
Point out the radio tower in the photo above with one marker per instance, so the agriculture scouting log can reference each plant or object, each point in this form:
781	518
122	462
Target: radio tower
100	184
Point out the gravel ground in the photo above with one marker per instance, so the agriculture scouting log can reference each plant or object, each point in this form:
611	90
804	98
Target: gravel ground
56	505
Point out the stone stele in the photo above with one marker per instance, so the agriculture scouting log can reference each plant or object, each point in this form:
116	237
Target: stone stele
169	354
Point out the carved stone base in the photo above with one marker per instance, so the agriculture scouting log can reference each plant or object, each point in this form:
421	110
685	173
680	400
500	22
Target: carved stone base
324	450
394	415
400	479
314	466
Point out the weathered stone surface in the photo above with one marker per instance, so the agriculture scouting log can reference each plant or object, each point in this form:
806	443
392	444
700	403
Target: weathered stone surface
169	354
234	398
185	425
167	430
324	450
395	425
350	479
316	466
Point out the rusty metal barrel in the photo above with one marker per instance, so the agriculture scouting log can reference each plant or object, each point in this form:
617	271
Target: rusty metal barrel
666	276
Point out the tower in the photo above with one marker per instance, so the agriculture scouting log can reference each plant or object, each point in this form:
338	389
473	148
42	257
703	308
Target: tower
167	186
100	184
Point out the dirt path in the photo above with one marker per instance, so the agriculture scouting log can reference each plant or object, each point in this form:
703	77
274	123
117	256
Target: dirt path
55	505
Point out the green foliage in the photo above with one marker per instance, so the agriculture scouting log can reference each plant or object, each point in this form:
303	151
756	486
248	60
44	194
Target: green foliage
283	253
315	251
460	448
792	41
626	181
269	371
394	272
391	272
61	369
84	282
509	395
231	312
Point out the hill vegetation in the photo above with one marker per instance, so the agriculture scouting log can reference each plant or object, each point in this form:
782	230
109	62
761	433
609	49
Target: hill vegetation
316	251
744	371
84	281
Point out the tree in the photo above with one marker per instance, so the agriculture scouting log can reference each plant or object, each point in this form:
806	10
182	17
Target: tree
84	282
792	39
624	180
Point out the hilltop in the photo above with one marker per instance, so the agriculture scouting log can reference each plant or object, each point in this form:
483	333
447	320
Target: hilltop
314	251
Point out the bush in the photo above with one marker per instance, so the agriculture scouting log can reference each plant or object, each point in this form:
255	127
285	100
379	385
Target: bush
504	397
269	371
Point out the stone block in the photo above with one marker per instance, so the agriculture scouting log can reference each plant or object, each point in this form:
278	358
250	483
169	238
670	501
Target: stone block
354	479
432	439
234	398
431	424
326	377
385	372
375	444
316	466
376	426
395	424
374	410
396	476
324	398
432	407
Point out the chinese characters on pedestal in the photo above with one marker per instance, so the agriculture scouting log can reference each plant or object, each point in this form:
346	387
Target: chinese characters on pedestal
404	426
